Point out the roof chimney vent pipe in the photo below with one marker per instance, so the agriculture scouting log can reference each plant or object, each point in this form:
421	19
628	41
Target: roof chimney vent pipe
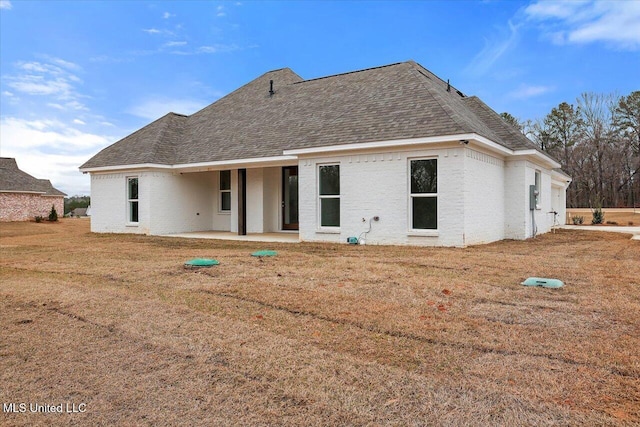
448	86
271	92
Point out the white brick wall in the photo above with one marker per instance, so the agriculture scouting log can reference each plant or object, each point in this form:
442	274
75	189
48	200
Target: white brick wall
484	197
179	202
221	221
519	175
168	202
272	199
255	200
481	198
377	184
109	204
516	200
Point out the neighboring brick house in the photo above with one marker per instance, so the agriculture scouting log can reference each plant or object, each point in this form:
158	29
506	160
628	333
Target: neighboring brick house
393	153
23	197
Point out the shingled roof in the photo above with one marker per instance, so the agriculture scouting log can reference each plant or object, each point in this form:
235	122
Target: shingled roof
392	102
13	180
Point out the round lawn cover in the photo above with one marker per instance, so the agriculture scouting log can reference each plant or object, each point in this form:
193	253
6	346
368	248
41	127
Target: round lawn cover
201	262
544	282
264	253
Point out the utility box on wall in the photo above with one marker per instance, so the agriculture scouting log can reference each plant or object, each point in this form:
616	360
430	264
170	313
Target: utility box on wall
533	198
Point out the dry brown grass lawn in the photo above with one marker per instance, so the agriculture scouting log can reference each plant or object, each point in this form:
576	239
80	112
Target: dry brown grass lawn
322	334
622	217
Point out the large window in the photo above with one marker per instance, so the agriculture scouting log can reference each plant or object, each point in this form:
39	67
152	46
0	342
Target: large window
329	193
424	194
225	191
132	199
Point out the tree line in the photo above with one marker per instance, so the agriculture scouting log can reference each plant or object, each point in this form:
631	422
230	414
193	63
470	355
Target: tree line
70	203
597	142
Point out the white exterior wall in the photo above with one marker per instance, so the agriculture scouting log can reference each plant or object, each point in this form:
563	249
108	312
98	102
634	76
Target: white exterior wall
484	197
516	200
543	215
109	203
559	200
481	198
272	209
179	202
377	184
519	175
255	200
221	221
167	202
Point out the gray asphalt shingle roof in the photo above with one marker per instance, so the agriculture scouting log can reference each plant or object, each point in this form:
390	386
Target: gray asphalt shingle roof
397	101
12	179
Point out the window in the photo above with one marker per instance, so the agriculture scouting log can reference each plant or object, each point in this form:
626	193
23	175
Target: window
225	191
329	193
132	199
538	187
424	194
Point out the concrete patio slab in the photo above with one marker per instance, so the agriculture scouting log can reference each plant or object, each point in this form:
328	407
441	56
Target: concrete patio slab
252	237
634	231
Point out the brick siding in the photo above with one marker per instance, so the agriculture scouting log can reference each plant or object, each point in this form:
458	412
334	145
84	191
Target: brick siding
26	206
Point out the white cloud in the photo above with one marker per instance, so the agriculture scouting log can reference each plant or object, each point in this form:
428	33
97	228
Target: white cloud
174	44
154	108
51	80
220	10
615	23
218	48
64	64
5	4
46	134
157	31
7	93
50	149
105	58
39	85
529	91
167	15
493	50
78	122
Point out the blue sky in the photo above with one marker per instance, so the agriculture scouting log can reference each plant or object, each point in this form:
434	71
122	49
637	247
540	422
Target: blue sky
76	76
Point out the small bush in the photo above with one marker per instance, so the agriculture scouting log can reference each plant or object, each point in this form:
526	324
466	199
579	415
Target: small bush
577	220
598	216
53	215
612	223
39	218
630	222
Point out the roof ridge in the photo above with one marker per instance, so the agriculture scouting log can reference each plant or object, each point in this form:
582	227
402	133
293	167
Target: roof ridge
421	68
163	142
454	115
350	72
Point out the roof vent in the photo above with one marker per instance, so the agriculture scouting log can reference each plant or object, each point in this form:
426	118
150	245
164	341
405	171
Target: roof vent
271	92
448	86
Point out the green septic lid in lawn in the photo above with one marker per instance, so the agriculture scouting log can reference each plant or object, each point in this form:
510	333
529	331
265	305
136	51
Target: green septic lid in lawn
201	262
545	283
264	253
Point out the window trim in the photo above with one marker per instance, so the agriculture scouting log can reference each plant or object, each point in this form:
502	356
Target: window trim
131	223
327	228
421	231
221	191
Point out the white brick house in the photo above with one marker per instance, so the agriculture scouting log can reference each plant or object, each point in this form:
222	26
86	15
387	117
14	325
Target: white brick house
325	157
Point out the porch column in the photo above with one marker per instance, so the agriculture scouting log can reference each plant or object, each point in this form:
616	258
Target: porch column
242	202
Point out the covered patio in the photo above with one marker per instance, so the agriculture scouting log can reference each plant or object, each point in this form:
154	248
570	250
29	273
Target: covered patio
283	237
